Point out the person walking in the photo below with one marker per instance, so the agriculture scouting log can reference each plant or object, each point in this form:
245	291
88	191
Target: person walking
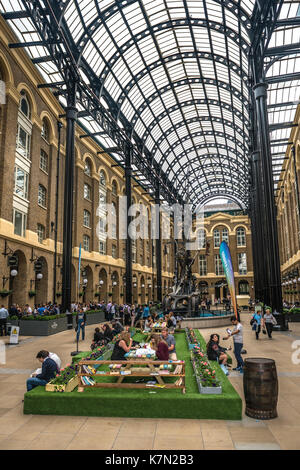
237	335
269	321
3	320
256	322
80	323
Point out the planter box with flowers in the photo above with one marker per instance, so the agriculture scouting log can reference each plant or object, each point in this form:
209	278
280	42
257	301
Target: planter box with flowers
205	375
65	381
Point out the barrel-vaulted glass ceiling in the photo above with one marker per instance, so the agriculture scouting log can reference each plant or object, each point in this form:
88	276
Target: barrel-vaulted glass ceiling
176	73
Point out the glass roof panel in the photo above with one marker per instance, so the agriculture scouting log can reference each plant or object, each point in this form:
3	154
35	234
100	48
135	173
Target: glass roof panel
175	71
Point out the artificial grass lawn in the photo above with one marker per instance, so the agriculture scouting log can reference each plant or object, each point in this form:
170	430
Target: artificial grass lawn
142	403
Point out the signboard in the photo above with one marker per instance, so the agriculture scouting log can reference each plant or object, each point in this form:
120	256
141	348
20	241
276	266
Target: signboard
14	335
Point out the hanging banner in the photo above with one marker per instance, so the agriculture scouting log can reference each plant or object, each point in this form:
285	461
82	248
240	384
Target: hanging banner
229	273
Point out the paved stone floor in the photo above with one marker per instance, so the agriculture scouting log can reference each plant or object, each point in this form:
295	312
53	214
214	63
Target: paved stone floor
18	431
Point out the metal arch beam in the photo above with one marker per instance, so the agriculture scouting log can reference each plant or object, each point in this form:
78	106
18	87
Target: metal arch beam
195	134
166	25
227	193
204	101
198	157
187	81
232	6
209	133
187	137
48	28
205	166
170	24
234	199
217	173
180	56
209	155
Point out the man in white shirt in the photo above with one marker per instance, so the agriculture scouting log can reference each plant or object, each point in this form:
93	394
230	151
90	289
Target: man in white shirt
237	335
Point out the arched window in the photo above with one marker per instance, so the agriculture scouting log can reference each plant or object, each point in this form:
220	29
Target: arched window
216	238
87	167
102	178
86	218
42	196
45	130
201	238
24	127
25	106
114	188
241	236
114	221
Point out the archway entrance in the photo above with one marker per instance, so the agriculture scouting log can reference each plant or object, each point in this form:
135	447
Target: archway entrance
115	286
103	285
41	285
88	287
18	284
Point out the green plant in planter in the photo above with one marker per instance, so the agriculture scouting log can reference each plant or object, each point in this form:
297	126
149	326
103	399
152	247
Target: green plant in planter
80	294
5	293
58	294
32	293
97	294
110	294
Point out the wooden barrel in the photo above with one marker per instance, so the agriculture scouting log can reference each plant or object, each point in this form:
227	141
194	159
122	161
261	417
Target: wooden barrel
260	388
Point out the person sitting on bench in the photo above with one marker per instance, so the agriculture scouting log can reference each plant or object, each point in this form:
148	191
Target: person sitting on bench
122	347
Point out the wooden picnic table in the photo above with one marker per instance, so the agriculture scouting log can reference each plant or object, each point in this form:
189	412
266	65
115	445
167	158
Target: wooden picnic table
150	369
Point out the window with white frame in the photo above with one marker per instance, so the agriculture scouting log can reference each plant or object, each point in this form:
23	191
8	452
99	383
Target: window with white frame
219	270
201	238
102	226
114	251
42	196
23	142
45	130
242	262
20	221
86	242
87	191
102	247
113	216
217	240
202	265
44	161
87	167
86	218
225	237
21	182
41	232
241	236
114	189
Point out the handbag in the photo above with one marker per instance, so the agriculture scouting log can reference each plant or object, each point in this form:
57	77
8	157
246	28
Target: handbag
264	332
252	321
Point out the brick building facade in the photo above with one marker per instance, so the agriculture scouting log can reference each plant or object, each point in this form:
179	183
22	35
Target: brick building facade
288	214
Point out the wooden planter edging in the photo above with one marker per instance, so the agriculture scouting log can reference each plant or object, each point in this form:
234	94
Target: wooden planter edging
69	387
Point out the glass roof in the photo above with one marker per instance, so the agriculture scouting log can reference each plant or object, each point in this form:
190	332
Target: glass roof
175	72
